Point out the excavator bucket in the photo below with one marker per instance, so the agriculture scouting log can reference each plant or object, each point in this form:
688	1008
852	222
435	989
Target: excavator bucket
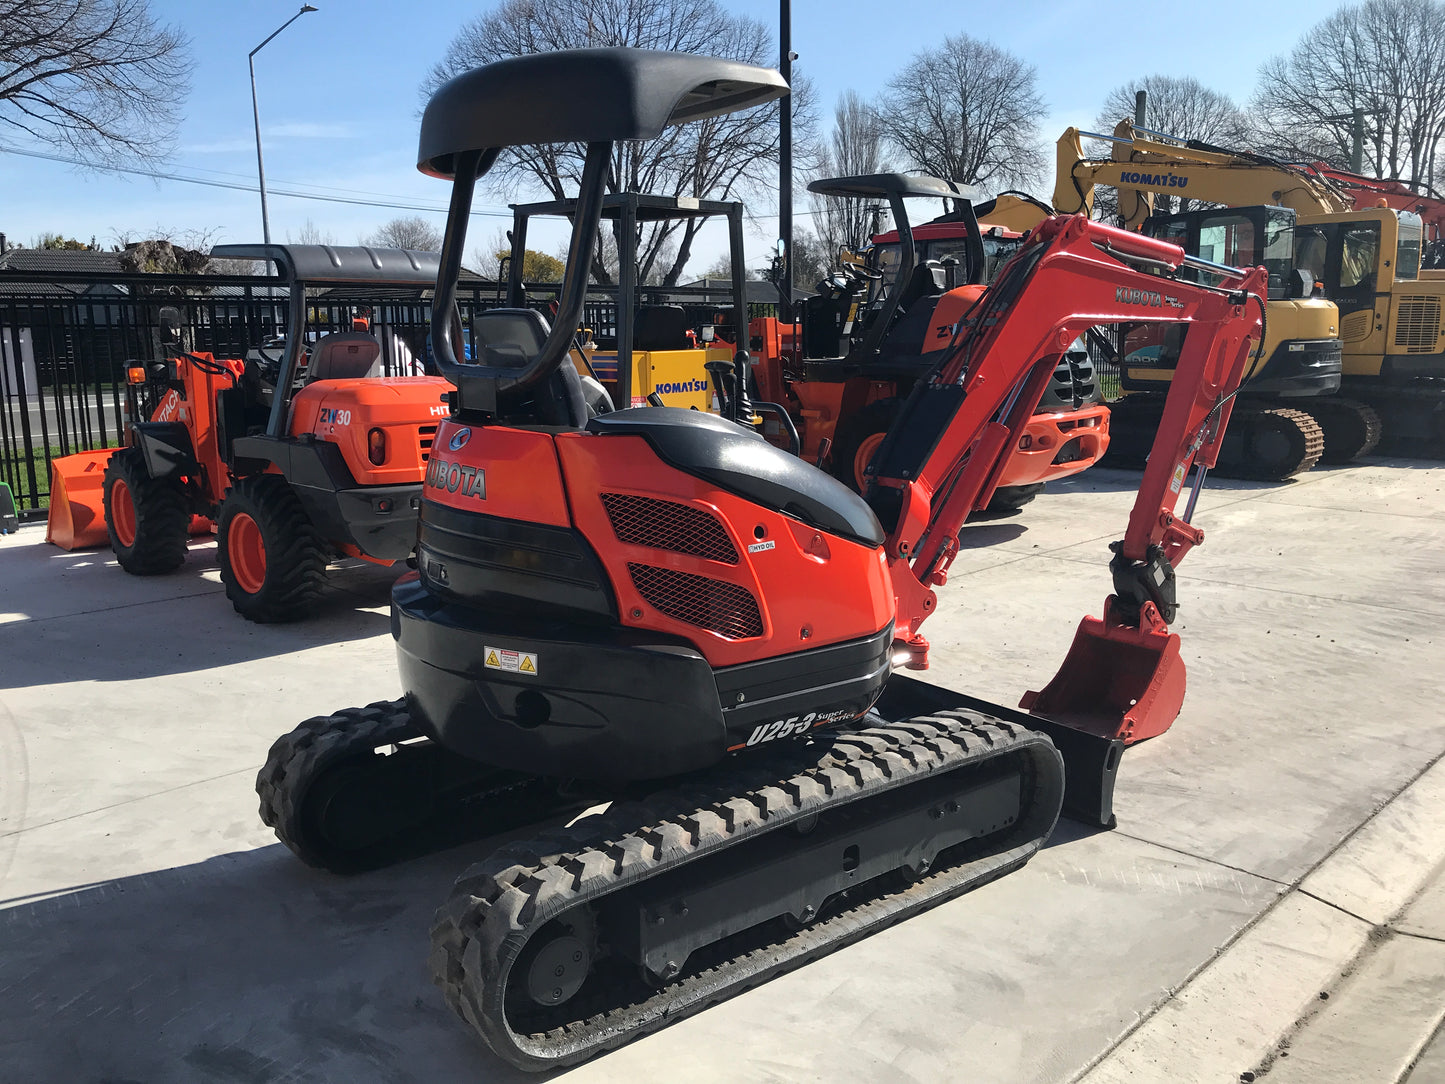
1118	680
77	500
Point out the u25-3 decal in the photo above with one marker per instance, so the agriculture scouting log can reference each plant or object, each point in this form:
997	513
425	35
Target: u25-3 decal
792	727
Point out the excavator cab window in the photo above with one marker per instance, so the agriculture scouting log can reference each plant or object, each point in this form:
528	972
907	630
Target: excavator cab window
1359	250
1407	250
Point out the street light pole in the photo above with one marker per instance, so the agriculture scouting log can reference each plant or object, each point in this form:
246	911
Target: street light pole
256	114
785	153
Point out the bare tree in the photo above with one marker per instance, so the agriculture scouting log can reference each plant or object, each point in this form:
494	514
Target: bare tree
854	149
1180	106
711	159
1385	57
412	231
94	76
310	234
967	111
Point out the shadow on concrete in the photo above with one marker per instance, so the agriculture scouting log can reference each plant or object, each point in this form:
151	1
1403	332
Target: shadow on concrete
247	967
77	618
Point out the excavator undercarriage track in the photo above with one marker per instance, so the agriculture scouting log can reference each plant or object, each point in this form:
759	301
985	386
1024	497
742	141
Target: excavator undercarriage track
1267	444
1414	418
363	789
586	939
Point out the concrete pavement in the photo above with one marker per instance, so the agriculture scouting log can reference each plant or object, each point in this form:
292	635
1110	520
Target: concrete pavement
153	931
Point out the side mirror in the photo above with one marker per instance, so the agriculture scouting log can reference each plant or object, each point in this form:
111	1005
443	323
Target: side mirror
171	324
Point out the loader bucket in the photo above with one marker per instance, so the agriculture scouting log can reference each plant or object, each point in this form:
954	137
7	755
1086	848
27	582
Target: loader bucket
1118	681
77	500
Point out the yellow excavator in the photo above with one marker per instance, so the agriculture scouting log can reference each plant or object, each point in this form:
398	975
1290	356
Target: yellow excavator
1365	260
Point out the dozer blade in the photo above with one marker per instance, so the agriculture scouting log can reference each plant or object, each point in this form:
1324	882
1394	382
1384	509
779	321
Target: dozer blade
77	500
1118	681
560	948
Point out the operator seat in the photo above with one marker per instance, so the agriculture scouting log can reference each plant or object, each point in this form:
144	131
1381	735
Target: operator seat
661	327
740	461
509	338
345	355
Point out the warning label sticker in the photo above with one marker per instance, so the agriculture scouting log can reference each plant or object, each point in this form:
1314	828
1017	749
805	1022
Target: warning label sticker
513	662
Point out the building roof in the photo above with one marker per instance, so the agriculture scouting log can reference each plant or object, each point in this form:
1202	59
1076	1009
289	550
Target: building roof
45	259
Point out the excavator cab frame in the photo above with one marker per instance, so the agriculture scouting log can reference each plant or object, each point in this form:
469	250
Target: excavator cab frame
675	371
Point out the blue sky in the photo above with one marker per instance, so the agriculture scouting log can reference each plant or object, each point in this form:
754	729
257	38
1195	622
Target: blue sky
339	98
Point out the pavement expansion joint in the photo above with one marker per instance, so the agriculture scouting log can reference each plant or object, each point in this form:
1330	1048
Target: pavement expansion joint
1231	1015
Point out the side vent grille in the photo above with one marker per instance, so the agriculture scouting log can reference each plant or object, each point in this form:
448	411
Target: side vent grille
724	608
425	434
667	525
1417	328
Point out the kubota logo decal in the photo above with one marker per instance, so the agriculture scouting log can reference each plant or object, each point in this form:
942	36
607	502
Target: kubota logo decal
459	439
1155	180
457	478
1147	298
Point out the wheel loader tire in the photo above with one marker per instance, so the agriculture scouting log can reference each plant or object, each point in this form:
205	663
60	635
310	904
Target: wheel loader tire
273	561
147	518
858	440
1012	498
1351	428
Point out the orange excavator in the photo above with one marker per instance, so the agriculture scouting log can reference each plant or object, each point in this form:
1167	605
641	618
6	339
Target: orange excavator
657	608
1416	197
294	455
868	334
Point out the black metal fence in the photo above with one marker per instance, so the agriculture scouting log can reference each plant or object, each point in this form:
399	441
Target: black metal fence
67	339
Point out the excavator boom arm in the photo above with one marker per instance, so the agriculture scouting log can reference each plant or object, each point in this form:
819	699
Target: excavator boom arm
1140	166
960	424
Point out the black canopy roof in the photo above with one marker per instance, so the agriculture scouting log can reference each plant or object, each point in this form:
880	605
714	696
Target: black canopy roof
583	96
341	263
883	185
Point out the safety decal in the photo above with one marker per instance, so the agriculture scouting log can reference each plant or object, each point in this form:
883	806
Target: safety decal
512	662
1177	482
759	547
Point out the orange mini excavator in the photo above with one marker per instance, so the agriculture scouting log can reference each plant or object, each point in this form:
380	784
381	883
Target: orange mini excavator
656	607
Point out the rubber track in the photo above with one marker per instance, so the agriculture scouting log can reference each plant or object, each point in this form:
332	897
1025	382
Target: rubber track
498	904
162	521
298	758
1309	429
301	556
1405	440
1364	415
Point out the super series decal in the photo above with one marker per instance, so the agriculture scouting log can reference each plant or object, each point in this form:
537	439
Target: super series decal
457	478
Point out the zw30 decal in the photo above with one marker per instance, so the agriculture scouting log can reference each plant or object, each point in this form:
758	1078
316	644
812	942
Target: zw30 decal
333	416
1155	180
677	387
1138	297
798	724
457	478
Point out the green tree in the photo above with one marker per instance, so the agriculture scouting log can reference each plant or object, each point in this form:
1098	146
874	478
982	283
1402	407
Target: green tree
58	243
536	266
